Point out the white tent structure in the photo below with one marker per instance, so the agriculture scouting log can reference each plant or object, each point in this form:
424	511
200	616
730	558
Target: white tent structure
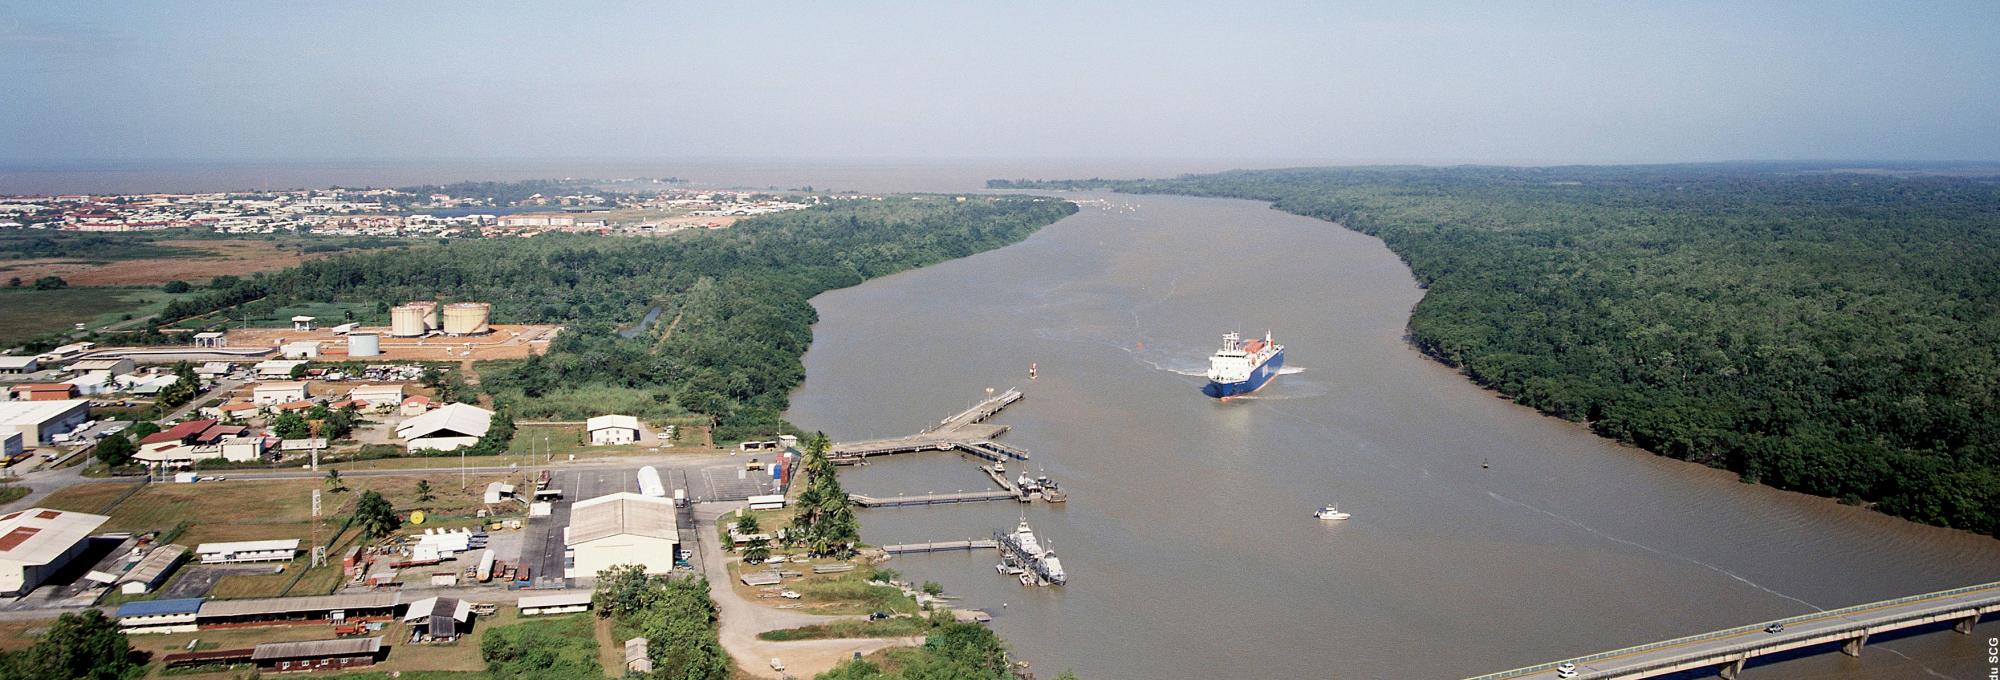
447	428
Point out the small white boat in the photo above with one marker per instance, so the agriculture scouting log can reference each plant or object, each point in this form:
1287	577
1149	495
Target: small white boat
1008	569
1331	513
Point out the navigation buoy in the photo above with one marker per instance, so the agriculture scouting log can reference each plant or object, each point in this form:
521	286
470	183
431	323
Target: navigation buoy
1031	371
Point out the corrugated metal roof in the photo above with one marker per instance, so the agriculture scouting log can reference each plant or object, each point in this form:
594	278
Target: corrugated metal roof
622	513
155	564
292	605
569	599
313	649
248	546
161	607
439	606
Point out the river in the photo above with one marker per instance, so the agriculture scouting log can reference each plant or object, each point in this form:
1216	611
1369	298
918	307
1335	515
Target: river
1187	535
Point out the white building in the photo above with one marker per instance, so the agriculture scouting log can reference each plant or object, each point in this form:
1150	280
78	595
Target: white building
446	429
605	430
377	396
248	551
160	616
497	492
40	421
66	351
622	528
37	542
18	365
277	368
152	569
303	349
113	366
278	392
568	602
93	384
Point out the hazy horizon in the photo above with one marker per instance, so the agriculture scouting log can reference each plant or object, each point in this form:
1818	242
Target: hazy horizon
1288	83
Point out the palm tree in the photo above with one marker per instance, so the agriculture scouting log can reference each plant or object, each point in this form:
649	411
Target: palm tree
333	481
424	494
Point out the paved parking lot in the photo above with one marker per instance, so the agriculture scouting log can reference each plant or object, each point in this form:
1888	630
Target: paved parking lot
542	540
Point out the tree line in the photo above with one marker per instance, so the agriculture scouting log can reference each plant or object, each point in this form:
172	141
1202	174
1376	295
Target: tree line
1827	332
741	297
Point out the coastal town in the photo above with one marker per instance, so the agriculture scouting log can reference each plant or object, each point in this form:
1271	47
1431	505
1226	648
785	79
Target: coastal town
449	211
325	499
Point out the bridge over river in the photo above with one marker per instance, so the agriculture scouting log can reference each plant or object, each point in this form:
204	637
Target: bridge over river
1728	650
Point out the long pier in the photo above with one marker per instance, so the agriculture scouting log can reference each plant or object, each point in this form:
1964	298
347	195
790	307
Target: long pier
930	499
1729	650
964	431
979	412
941	546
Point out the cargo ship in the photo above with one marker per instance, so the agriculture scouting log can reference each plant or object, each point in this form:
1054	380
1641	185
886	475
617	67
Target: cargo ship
1242	367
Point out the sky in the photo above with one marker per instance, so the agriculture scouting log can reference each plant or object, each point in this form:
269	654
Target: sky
1341	82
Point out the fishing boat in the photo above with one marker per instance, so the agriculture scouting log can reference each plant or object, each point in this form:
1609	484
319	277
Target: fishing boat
1331	513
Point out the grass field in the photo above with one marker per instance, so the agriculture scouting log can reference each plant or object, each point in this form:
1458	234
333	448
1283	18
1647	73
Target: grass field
265	509
901	626
192	260
843	593
26	313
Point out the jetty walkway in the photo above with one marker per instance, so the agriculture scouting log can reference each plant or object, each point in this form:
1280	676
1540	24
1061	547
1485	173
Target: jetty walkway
965	431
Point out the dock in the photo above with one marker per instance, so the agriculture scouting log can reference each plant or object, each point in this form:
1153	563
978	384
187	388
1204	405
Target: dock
930	499
941	546
965	432
978	413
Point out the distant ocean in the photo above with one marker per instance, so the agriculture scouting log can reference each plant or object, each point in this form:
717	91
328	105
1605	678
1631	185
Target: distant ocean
878	175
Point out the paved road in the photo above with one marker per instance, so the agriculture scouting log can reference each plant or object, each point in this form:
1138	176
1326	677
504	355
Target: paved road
42	482
741	620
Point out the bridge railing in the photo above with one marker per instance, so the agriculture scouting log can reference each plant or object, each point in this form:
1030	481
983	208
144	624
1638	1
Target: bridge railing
1739	630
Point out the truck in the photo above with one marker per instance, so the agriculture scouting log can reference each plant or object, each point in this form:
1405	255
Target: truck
542	480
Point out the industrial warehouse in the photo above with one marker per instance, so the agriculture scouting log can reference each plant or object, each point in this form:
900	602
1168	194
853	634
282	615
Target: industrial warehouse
623	528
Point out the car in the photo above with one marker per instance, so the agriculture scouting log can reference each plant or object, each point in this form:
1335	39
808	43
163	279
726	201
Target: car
1775	628
790	595
1566	670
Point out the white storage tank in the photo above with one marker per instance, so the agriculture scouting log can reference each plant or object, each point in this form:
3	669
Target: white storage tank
408	321
467	318
649	483
430	309
364	344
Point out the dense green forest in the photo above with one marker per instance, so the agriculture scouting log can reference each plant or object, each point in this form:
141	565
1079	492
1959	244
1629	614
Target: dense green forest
1829	332
736	313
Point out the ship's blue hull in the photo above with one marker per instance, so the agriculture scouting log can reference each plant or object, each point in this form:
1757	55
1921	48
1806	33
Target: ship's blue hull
1258	379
